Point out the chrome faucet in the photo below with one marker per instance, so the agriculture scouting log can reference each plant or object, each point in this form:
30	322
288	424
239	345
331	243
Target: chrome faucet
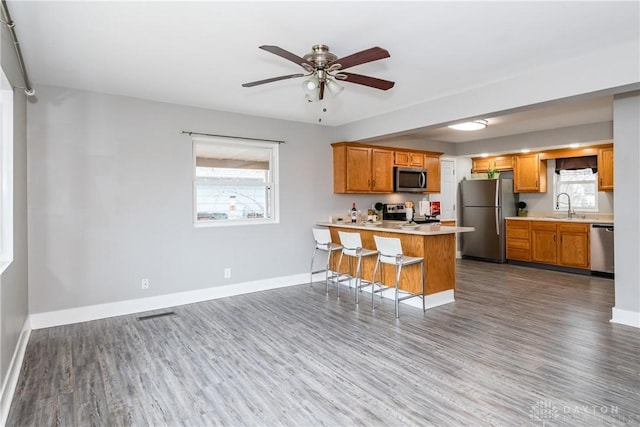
569	212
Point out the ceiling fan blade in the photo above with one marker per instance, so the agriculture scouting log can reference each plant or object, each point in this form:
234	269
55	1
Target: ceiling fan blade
367	81
369	55
272	79
285	54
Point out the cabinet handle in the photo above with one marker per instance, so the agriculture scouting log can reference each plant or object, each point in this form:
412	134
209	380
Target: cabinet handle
554	237
373	185
601	182
369	183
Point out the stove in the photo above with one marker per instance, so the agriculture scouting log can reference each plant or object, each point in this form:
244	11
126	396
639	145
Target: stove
398	212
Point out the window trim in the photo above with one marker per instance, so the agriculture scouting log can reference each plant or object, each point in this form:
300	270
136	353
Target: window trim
563	207
6	172
273	146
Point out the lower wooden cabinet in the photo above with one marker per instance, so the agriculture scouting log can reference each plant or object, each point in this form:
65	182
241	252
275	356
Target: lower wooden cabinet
573	246
544	245
560	243
518	240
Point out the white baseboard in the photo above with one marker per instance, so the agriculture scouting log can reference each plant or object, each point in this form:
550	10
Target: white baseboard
430	301
625	317
13	373
101	311
121	308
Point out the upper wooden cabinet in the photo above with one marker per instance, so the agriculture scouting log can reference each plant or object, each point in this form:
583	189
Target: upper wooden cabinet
432	165
408	158
485	164
362	169
605	169
529	174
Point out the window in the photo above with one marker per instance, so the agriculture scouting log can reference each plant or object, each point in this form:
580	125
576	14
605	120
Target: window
235	181
582	187
6	172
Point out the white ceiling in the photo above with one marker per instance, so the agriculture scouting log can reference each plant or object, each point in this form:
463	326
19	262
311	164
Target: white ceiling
199	53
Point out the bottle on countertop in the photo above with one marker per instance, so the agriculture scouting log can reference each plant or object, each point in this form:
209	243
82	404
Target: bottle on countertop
354	213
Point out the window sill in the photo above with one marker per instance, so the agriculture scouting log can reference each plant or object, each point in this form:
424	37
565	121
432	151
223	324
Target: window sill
4	265
227	223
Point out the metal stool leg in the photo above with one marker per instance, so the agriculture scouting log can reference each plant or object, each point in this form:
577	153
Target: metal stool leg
424	308
313	256
398	271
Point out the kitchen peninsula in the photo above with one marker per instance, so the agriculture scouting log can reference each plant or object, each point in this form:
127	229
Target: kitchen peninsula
435	243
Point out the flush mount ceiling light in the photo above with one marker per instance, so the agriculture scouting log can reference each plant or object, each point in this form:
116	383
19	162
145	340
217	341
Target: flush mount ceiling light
467	126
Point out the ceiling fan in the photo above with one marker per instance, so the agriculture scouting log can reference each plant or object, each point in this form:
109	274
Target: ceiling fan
323	68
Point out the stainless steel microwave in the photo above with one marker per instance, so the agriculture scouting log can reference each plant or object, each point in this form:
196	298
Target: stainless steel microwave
409	180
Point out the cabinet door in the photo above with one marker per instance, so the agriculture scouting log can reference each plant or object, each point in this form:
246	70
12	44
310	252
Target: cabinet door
573	250
543	242
401	158
481	165
381	171
605	169
416	160
432	165
407	158
358	169
529	174
503	163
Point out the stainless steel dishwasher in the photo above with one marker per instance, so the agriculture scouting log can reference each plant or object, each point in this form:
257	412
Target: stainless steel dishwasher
602	249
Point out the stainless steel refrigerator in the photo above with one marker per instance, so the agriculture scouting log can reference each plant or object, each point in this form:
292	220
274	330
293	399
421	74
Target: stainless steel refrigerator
485	203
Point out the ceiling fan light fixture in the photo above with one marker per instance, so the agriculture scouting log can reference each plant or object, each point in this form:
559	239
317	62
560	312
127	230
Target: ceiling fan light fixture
310	85
470	126
333	87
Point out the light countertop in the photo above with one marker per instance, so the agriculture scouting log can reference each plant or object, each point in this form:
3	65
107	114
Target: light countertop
605	219
394	227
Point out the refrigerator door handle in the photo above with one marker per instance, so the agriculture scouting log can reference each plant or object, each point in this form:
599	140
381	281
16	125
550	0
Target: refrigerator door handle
497	221
497	192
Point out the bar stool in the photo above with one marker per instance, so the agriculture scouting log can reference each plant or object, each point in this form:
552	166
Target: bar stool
352	247
322	237
390	252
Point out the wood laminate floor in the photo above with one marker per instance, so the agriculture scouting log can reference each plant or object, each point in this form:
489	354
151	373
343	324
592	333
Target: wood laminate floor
519	347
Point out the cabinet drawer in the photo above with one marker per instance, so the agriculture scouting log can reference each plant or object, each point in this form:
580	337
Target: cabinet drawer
518	233
518	244
518	254
543	225
573	228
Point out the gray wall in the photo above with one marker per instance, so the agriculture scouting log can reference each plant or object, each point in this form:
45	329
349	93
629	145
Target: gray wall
110	200
588	133
626	132
13	282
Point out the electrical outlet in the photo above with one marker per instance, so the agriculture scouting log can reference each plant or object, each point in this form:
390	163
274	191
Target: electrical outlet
227	273
144	283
